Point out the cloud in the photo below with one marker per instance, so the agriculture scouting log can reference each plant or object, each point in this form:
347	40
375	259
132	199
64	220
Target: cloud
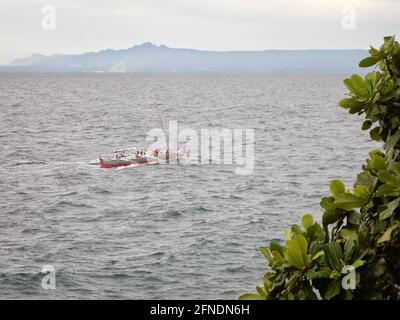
91	25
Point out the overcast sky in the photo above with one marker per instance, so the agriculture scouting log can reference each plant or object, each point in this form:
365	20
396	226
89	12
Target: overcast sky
92	25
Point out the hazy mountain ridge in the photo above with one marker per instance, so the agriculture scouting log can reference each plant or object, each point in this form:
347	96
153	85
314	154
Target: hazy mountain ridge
149	58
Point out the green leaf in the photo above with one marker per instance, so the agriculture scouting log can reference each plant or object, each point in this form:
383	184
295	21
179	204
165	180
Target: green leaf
332	216
358	263
278	257
350	103
333	289
296	251
314	231
387	190
261	291
249	296
353	218
296	229
368	180
364	237
390	207
266	254
375	135
327	203
348	250
302	243
317	255
368	62
349	84
348	234
288	234
377	162
291	284
348	201
307	221
387	177
275	246
356	85
345	103
388	233
337	188
393	140
389	41
357	109
358	82
333	255
366	125
267	284
361	192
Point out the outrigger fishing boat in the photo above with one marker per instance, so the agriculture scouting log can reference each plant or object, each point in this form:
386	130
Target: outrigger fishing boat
132	156
127	157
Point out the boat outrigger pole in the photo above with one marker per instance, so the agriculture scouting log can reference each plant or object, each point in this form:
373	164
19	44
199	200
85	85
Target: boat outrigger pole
163	128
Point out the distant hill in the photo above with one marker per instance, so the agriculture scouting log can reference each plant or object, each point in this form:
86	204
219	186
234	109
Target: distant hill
149	58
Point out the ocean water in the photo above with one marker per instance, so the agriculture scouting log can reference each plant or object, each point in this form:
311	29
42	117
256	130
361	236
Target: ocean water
161	231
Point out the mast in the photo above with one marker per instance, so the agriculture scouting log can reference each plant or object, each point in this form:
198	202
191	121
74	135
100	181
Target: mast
162	125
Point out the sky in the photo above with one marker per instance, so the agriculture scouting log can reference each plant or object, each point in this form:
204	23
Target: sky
93	25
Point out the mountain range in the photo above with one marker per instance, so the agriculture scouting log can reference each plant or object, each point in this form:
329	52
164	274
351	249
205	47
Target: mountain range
150	58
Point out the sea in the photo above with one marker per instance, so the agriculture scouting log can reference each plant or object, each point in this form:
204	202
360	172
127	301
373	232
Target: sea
71	230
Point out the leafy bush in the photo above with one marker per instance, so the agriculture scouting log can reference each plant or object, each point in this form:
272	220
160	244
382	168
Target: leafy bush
360	229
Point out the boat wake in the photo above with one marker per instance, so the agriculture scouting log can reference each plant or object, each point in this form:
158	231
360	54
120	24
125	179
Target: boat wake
15	163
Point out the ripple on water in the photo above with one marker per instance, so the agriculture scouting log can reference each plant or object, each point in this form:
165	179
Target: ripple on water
64	204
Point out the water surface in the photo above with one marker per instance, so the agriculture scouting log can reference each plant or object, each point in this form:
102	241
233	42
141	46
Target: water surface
182	232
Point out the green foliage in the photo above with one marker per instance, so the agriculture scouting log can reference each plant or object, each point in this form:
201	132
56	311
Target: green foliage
360	227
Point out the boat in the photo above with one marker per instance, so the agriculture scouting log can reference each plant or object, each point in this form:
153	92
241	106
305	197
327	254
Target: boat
136	157
113	163
139	158
120	158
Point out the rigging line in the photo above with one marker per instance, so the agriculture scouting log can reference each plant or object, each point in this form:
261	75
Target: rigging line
162	124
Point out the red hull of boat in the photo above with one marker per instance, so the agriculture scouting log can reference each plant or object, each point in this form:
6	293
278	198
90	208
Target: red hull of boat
103	164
